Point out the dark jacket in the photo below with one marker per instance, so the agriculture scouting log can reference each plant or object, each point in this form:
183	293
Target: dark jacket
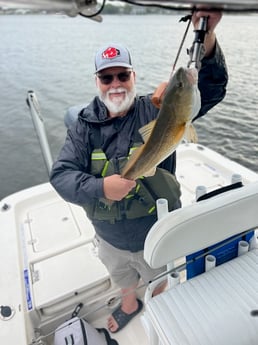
70	173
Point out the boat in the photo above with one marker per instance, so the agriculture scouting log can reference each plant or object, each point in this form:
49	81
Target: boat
50	264
92	8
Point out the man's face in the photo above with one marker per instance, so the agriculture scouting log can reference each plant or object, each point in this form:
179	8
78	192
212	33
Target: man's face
116	87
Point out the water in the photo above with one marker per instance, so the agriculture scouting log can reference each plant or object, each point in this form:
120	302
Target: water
53	55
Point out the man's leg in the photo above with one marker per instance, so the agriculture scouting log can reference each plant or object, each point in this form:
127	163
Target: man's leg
125	268
129	305
118	264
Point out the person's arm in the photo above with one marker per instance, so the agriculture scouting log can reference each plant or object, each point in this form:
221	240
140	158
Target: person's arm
69	173
213	75
70	177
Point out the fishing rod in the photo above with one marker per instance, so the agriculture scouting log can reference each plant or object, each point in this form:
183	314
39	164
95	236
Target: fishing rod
158	94
196	53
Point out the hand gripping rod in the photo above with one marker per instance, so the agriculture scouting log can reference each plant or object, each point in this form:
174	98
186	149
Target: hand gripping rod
197	48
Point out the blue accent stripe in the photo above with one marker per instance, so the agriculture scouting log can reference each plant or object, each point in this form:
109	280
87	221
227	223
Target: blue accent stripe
27	289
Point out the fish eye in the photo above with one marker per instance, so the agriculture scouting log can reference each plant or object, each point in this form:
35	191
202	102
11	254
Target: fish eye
180	84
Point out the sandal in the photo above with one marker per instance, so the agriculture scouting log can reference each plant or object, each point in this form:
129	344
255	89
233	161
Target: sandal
123	318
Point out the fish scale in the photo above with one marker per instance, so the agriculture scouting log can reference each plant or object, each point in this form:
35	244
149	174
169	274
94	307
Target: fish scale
161	137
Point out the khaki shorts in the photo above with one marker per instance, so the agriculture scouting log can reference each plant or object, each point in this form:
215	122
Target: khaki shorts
125	267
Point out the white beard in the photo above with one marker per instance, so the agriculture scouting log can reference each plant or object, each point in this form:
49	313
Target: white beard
118	104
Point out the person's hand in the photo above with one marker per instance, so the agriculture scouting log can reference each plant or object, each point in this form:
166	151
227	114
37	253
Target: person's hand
214	18
117	187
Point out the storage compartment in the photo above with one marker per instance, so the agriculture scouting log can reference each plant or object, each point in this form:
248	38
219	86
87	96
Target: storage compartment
55	225
66	275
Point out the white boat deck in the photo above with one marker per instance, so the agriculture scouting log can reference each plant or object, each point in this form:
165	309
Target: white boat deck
51	259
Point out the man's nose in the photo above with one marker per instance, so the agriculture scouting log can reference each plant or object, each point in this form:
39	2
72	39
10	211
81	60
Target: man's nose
116	81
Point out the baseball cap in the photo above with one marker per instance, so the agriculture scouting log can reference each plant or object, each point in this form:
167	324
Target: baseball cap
112	55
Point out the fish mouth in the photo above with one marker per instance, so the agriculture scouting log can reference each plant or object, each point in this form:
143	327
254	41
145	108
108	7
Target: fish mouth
192	75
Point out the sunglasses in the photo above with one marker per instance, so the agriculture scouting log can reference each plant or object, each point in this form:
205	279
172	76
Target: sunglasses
107	79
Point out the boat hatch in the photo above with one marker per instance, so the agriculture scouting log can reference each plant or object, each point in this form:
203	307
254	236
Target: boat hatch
60	255
200	172
56	224
200	166
67	275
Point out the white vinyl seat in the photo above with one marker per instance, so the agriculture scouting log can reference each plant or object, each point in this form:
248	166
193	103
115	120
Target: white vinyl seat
214	308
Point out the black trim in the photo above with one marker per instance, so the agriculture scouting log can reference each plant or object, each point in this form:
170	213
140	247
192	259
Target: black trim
109	340
84	333
220	190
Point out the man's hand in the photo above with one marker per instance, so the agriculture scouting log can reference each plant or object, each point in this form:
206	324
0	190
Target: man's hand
117	187
214	18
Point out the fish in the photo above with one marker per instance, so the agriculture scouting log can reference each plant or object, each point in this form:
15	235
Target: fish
180	104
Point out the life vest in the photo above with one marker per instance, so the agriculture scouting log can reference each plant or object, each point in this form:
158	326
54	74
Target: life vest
141	201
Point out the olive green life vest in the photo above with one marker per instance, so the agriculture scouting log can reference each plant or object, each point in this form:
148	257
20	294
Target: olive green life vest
141	201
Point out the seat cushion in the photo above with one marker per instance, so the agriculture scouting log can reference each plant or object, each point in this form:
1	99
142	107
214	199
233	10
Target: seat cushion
213	308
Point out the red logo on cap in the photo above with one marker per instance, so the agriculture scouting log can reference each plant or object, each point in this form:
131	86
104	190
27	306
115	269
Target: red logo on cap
110	53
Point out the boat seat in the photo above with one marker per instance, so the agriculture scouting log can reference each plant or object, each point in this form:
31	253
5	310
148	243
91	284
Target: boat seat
216	306
71	114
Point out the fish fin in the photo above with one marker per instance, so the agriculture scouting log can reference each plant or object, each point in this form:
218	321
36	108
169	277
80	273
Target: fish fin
150	172
190	134
146	130
133	157
131	161
180	132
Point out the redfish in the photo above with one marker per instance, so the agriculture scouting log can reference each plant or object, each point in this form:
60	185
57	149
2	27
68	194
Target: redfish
181	103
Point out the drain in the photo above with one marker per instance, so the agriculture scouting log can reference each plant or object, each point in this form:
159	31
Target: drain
6	312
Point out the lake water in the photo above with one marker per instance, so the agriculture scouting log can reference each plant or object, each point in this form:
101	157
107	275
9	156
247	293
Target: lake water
53	55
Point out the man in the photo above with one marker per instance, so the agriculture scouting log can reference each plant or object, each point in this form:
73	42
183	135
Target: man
88	169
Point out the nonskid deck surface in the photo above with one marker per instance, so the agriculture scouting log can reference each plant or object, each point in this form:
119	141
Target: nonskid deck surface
133	334
52	262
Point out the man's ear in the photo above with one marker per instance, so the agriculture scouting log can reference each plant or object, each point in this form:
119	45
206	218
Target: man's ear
134	75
